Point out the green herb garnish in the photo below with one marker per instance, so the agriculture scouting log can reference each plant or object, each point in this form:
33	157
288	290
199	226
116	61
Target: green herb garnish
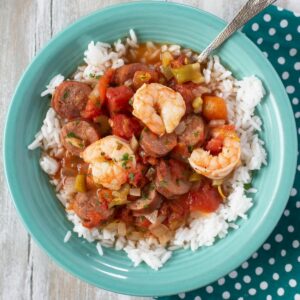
125	159
163	183
130	101
247	186
66	94
131	176
196	133
71	134
190	148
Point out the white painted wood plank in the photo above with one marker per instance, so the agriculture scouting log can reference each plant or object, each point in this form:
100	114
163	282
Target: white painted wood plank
16	51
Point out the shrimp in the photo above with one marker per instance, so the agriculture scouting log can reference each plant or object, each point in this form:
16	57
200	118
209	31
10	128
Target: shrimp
109	159
158	107
217	167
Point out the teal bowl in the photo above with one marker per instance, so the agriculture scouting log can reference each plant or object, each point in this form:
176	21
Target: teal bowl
44	216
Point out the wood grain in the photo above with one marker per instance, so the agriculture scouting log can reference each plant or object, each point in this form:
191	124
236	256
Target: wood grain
26	26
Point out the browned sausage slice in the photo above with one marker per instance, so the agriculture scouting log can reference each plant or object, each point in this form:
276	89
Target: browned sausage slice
194	132
146	206
172	179
157	146
70	98
126	72
77	135
90	210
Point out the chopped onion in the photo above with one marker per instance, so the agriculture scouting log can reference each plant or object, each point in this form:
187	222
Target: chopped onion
134	144
162	232
150	173
216	123
152	217
128	82
136	192
121	229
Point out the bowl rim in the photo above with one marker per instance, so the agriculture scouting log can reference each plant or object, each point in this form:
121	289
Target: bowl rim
263	233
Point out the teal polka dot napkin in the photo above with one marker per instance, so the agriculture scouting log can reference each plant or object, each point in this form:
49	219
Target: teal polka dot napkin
273	272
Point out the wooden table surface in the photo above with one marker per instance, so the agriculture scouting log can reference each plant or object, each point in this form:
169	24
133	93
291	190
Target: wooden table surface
26	26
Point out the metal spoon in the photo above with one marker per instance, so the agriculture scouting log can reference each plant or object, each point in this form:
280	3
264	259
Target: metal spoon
248	11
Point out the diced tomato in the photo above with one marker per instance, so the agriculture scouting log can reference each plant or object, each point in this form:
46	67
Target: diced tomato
214	108
179	209
142	222
97	96
93	219
186	91
104	82
136	175
206	199
125	127
118	99
214	146
180	151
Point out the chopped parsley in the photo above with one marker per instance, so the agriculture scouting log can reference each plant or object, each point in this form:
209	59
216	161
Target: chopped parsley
131	176
130	101
190	148
196	133
125	159
146	206
71	134
66	94
119	147
247	186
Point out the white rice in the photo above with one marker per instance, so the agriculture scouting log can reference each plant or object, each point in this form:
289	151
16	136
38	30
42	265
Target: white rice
242	98
67	236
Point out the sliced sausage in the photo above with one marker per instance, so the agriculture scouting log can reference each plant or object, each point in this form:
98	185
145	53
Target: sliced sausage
172	179
70	99
194	132
126	72
151	202
77	135
155	145
90	209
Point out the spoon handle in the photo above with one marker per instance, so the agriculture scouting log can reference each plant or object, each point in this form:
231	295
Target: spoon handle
249	10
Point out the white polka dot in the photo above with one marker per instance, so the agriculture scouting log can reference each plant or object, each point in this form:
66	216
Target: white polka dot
288	37
285	75
298	259
269	297
242	298
221	281
293	52
281	60
295	244
272	261
290	89
254	255
284	23
298	167
272	31
252	292
275	276
278	238
297	114
259	40
233	274
255	27
226	295
263	285
276	46
197	298
245	265
267	17
279	8
238	286
247	279
297	296
280	292
297	66
209	289
283	253
286	212
298	130
298	28
298	204
181	295
293	192
267	246
265	54
295	102
290	228
288	267
292	282
258	271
